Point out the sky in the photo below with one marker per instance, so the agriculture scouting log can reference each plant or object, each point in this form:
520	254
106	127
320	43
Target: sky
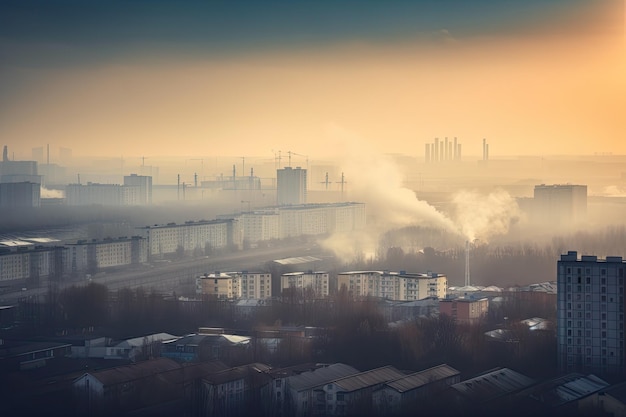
179	78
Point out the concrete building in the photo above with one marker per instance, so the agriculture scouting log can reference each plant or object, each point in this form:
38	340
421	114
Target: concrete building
21	260
590	314
398	286
235	285
559	204
90	256
94	194
291	186
464	310
145	187
15	195
204	235
314	283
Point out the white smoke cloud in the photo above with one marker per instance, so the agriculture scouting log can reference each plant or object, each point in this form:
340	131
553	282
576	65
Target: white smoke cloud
614	191
374	179
482	216
47	193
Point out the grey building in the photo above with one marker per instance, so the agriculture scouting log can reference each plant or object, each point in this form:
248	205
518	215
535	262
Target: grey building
291	186
590	314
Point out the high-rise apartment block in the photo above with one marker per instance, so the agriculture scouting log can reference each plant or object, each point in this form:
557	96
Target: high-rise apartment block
144	183
291	186
590	314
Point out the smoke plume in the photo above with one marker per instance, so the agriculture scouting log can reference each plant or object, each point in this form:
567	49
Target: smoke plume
483	216
47	193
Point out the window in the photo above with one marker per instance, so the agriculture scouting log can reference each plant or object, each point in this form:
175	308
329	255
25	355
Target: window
339	396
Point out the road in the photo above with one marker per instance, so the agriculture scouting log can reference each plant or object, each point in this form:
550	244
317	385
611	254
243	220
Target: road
167	277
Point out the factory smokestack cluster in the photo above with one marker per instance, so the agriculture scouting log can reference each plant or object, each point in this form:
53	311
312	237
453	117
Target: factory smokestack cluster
445	150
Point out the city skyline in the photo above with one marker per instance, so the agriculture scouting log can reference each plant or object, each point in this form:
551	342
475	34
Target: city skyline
181	79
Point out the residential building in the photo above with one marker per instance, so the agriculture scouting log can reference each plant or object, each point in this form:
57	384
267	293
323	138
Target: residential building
398	286
20	260
23	355
464	310
235	285
590	314
314	284
291	186
91	256
203	236
144	183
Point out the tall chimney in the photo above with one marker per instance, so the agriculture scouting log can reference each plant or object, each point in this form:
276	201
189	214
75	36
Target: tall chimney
5	153
467	265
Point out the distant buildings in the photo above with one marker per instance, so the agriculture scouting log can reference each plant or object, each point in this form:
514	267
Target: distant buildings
440	151
94	255
137	190
300	220
590	314
560	205
291	186
399	286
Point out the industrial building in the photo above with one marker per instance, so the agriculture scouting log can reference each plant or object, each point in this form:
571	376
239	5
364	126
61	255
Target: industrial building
464	310
590	314
398	286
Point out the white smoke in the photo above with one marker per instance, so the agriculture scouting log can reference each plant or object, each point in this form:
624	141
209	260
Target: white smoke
48	193
373	178
482	216
614	191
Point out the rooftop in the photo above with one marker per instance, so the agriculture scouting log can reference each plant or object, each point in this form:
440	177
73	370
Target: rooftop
493	384
321	376
135	371
368	378
421	378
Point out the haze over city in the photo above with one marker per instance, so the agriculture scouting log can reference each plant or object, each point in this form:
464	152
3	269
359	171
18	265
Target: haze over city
344	208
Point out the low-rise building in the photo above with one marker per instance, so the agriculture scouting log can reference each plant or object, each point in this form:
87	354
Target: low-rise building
314	284
464	310
235	285
399	286
406	393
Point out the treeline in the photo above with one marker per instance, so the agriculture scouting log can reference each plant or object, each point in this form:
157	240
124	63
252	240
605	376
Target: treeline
505	262
344	330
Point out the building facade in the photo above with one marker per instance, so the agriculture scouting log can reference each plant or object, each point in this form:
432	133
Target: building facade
313	283
235	285
398	286
464	310
291	186
15	195
90	256
144	185
590	314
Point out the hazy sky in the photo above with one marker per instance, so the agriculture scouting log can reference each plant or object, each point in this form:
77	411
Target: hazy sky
245	78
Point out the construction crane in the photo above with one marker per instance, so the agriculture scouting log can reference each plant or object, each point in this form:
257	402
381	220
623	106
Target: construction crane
297	154
342	182
325	181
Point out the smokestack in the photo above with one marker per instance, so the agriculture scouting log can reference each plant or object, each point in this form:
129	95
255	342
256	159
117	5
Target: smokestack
427	153
48	153
459	151
441	151
467	265
178	187
235	177
484	149
436	149
446	153
5	154
456	149
486	152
